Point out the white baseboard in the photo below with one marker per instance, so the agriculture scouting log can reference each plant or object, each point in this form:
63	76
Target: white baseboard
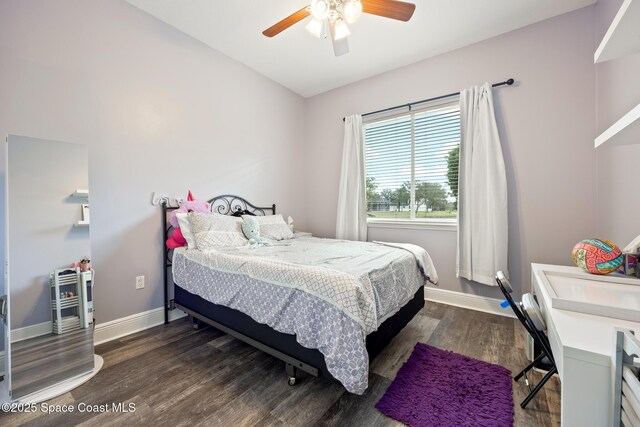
118	328
470	301
105	331
31	331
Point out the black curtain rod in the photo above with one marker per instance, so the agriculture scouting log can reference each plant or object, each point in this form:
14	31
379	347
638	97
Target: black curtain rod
508	82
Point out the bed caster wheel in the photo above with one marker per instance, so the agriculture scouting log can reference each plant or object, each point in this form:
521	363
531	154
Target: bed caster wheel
195	325
292	372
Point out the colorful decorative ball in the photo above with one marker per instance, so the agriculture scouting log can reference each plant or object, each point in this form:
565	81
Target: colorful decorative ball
597	256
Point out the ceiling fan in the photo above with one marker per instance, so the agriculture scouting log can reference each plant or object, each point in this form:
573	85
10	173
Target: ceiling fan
336	14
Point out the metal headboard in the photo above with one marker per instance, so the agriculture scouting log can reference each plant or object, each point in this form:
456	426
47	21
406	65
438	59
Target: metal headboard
226	204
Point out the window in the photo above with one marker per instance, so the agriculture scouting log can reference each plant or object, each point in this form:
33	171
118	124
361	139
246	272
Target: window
411	165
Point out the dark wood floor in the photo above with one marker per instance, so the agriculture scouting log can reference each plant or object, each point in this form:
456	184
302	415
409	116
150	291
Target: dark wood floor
177	376
43	361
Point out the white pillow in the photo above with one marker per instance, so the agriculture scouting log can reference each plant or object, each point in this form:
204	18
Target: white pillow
212	230
267	219
273	227
276	231
185	227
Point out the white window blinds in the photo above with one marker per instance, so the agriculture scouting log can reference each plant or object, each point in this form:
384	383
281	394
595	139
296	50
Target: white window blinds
411	164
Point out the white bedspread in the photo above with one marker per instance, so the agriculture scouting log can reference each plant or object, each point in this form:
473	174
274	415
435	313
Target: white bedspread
366	281
422	258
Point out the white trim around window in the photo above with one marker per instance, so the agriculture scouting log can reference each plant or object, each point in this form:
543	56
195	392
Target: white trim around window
414	224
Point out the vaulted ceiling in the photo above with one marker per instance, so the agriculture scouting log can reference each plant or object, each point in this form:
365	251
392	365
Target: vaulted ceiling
307	65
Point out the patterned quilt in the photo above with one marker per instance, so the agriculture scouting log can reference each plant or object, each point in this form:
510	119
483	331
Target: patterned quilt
329	293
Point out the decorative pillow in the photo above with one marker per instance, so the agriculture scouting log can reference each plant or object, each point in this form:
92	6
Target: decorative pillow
185	227
273	227
270	219
212	230
276	231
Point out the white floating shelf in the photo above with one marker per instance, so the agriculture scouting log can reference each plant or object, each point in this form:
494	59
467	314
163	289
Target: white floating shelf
623	36
81	224
615	132
80	193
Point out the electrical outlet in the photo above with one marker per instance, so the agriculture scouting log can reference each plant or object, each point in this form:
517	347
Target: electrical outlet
139	282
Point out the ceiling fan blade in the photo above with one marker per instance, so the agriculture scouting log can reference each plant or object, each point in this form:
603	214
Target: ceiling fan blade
402	11
340	47
287	22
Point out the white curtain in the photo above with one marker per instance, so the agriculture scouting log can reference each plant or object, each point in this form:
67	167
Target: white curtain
352	206
482	190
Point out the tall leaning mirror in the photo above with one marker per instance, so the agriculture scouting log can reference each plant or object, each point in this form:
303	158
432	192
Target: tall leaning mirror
49	281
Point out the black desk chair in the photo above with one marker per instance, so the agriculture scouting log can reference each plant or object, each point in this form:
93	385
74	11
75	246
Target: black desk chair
528	312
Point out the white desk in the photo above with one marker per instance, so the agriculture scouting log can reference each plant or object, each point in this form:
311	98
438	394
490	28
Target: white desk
582	346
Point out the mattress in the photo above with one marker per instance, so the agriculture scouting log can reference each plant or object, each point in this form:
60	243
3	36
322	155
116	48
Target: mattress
329	293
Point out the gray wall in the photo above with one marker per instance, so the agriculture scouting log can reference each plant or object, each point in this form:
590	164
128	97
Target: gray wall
159	112
618	91
42	175
546	125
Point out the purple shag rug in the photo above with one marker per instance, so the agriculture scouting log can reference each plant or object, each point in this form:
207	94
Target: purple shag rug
442	388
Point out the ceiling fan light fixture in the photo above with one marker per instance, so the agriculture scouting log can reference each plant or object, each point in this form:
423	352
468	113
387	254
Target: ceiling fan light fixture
351	10
315	27
332	16
320	9
340	30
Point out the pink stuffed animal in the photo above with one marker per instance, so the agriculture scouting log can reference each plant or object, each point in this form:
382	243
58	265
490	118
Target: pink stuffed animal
191	205
177	240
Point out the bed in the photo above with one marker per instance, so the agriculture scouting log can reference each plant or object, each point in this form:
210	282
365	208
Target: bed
324	306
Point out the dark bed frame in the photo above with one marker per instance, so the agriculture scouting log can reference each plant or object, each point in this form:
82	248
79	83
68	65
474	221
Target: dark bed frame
239	325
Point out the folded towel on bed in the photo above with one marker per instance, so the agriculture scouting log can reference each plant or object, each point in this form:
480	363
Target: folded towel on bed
422	257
